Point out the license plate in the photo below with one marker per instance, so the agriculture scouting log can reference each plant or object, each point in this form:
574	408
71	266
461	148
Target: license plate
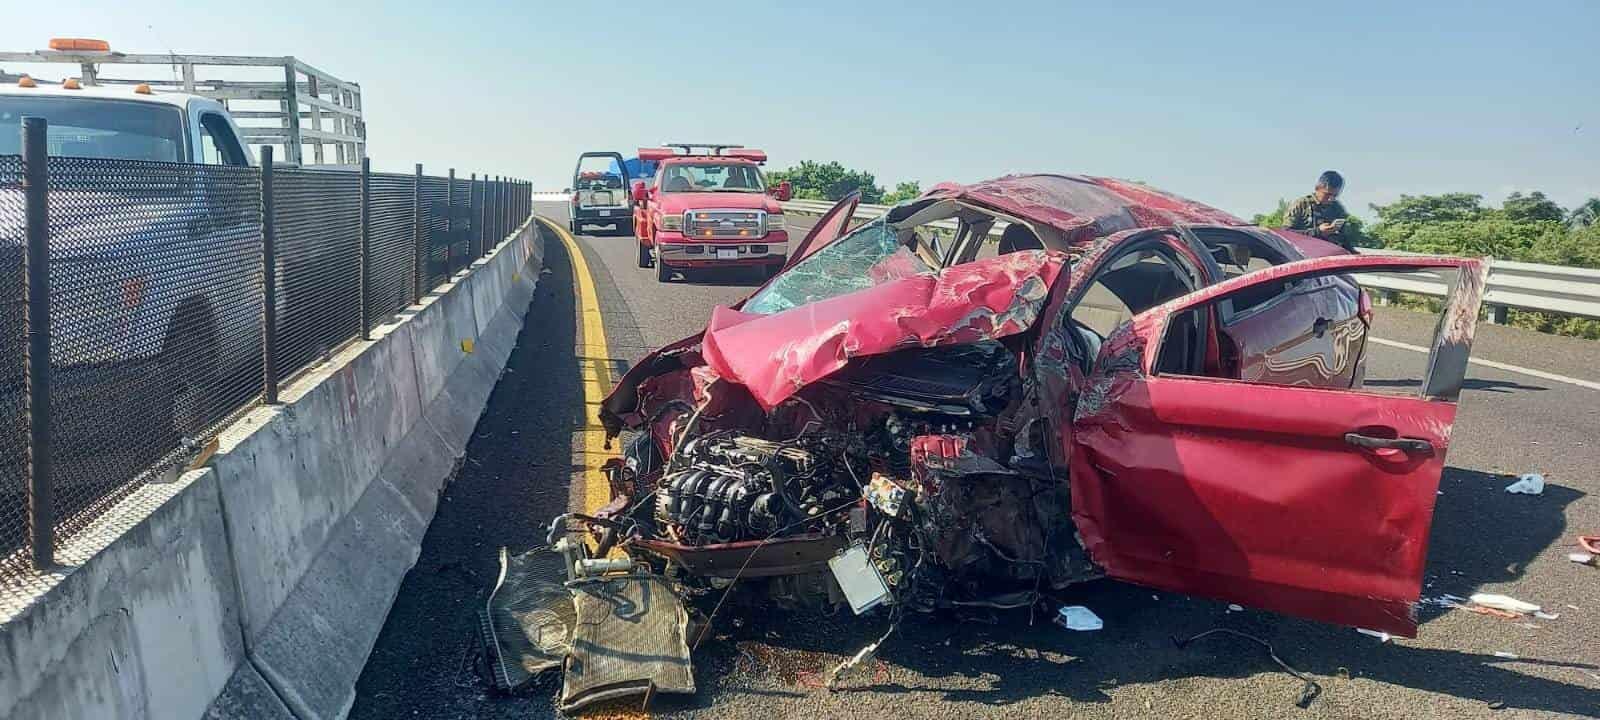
605	213
730	254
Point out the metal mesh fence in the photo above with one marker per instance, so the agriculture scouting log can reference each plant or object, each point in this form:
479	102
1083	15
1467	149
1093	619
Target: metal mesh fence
435	199
318	217
13	434
393	245
156	304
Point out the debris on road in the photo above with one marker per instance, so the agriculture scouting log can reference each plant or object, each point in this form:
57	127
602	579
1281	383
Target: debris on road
1234	607
1504	603
1308	692
1581	558
1506	655
1528	484
1380	635
1078	617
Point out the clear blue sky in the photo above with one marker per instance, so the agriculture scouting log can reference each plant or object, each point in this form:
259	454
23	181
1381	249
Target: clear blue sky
1232	103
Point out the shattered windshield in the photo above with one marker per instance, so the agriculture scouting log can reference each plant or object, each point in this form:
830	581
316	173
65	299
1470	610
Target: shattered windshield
869	256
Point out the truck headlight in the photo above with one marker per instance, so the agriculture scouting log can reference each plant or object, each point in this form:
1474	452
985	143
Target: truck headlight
774	222
672	222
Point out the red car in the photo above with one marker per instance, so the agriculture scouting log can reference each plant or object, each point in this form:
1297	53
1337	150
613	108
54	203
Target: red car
1130	384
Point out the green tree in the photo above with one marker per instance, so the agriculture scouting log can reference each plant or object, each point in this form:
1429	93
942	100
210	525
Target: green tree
1272	219
1533	207
903	192
1585	215
813	180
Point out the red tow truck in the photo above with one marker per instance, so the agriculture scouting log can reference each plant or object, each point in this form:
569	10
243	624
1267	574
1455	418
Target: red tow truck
707	207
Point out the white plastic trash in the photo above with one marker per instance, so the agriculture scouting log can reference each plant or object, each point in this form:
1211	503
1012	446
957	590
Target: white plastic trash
1504	602
1078	617
1528	484
1581	558
1379	634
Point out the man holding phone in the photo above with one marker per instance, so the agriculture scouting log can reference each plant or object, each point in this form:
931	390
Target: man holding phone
1320	214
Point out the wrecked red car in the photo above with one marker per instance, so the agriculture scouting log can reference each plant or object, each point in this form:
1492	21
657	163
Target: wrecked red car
1128	384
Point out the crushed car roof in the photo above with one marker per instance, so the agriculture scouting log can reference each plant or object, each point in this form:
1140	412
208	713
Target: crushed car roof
1084	207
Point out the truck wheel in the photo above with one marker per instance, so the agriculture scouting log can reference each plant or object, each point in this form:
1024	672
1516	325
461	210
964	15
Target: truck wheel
572	226
663	273
771	270
189	360
644	256
625	227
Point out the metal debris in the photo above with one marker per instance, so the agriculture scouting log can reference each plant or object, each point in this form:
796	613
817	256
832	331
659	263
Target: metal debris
1308	692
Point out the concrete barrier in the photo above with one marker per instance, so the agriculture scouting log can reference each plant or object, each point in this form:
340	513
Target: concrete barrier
257	586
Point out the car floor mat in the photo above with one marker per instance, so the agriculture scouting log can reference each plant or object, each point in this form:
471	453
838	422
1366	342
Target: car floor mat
631	638
527	622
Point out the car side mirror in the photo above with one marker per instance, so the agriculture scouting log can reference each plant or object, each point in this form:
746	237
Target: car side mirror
638	191
783	191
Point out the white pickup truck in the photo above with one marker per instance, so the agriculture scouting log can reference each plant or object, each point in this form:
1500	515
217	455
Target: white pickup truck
152	280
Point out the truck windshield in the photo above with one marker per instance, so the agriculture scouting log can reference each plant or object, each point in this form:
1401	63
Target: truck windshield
869	256
92	127
712	177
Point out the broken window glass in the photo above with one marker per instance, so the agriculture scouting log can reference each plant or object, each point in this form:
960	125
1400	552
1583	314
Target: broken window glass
869	256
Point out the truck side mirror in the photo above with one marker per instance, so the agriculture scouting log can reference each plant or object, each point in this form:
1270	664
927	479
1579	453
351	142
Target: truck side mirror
638	191
783	191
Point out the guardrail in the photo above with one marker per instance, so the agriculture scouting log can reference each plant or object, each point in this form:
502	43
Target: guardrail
1525	286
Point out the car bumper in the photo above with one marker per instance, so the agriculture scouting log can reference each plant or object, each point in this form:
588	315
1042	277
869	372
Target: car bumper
675	250
594	215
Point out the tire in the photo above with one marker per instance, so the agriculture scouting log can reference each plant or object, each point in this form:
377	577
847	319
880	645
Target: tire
644	256
624	227
189	370
771	270
663	272
572	226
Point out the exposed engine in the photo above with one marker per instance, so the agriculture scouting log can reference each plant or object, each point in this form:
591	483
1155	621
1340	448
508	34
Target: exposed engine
896	457
729	486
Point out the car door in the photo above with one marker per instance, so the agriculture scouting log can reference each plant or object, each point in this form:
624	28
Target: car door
829	227
1309	501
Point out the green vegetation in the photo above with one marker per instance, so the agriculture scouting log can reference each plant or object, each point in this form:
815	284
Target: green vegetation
813	180
1526	227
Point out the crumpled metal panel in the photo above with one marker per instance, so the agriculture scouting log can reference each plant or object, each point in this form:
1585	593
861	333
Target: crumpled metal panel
631	638
1084	207
776	355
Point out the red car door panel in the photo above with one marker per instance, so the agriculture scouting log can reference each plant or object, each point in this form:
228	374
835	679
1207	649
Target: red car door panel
1313	502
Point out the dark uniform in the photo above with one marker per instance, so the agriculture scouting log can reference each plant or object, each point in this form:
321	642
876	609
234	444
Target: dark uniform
1305	214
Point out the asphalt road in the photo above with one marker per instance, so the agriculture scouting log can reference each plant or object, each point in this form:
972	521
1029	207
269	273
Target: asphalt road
520	467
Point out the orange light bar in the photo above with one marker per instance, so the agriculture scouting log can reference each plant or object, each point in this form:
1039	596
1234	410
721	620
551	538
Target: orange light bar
26	82
79	45
71	84
142	89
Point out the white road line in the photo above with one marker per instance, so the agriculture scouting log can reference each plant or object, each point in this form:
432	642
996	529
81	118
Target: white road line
1499	365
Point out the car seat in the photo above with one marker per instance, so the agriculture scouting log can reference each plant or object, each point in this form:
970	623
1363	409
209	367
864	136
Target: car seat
678	183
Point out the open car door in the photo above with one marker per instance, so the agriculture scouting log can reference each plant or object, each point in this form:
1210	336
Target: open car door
829	228
1308	501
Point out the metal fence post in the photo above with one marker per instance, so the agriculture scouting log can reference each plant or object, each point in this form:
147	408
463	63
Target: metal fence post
474	230
416	241
36	353
449	220
366	248
269	285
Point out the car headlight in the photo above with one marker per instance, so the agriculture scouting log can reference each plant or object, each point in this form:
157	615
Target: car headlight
775	222
672	222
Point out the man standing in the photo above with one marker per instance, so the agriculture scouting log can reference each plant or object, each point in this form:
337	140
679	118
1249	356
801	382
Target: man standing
1320	214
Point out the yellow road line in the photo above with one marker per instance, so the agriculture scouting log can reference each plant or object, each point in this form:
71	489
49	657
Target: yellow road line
594	367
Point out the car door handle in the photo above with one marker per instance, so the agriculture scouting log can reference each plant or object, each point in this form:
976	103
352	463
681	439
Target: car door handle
1410	446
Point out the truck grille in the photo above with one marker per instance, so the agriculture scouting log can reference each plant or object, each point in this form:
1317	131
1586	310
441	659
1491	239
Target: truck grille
725	223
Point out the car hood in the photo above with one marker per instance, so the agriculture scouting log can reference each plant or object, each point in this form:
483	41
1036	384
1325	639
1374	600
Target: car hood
1083	207
774	356
89	223
679	202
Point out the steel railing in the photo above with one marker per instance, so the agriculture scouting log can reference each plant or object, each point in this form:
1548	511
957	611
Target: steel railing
1525	286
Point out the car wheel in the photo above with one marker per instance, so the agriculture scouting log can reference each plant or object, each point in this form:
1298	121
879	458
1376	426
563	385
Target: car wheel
644	256
189	360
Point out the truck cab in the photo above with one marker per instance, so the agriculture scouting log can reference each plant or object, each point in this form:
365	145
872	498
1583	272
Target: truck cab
119	122
708	207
